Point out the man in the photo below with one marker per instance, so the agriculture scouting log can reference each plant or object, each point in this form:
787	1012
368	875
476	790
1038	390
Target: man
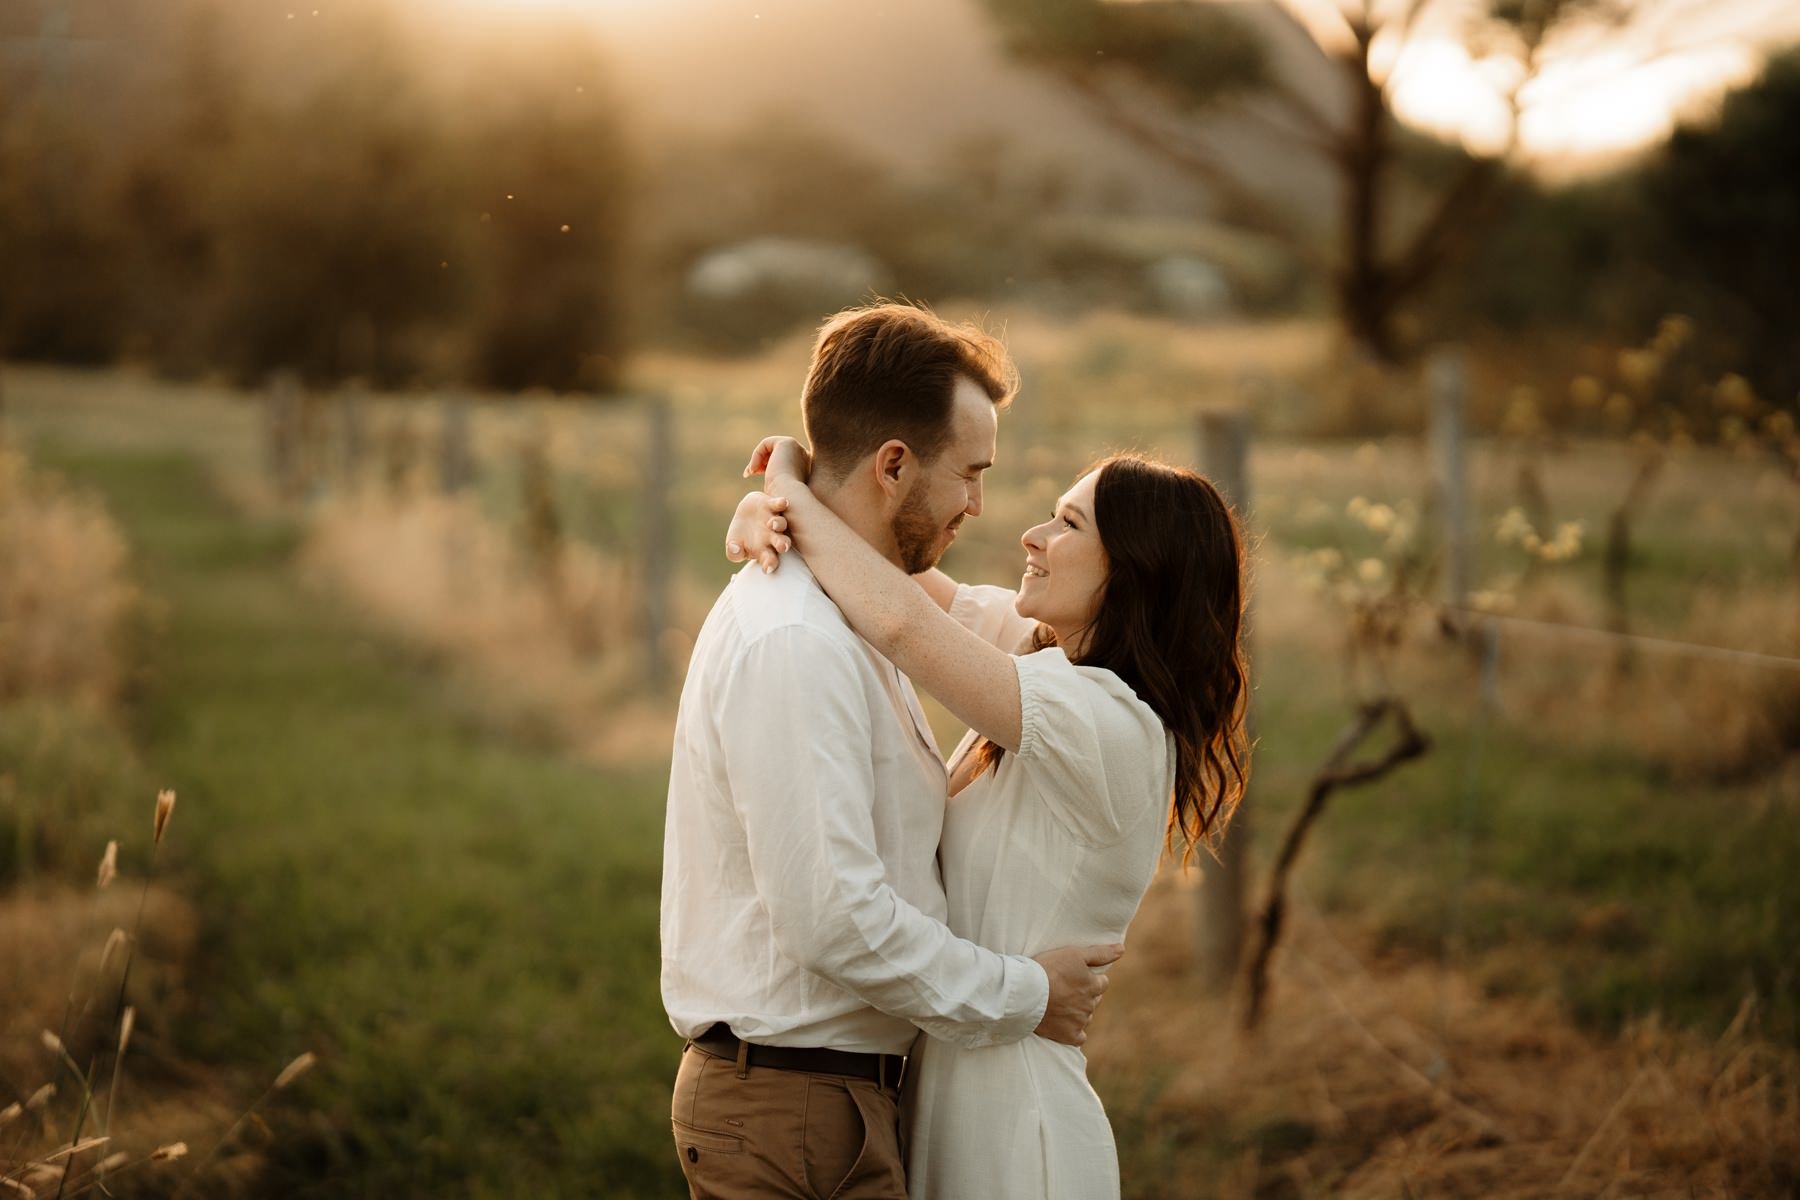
802	912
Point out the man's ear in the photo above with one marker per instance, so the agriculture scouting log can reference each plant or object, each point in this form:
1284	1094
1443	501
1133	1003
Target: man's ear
892	460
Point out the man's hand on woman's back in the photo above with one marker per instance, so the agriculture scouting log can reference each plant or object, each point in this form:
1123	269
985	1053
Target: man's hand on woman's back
1076	984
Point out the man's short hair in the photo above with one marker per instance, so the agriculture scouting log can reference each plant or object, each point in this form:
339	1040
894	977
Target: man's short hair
889	371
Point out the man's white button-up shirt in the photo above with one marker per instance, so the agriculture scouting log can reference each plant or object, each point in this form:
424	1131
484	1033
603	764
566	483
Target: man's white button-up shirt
801	900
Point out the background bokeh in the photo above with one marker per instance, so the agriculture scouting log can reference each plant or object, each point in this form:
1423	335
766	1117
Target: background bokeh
375	380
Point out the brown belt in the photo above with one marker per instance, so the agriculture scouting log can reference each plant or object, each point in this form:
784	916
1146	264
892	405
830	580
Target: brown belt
884	1069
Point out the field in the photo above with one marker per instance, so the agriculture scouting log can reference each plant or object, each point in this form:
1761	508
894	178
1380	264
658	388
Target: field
420	765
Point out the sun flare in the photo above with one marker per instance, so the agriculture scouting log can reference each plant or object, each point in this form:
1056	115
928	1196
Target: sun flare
1596	104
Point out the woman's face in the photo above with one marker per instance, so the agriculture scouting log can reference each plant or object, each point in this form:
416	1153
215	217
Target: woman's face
1065	567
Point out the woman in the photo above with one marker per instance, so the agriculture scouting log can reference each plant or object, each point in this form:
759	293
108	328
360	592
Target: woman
1105	705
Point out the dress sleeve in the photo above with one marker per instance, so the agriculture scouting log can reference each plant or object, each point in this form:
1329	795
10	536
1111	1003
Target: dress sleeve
988	613
1097	755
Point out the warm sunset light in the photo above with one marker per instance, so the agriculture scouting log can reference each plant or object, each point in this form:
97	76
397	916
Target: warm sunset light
602	12
1592	104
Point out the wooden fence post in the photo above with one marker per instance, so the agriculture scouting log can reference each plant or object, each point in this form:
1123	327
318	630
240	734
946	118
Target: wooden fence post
1449	383
455	463
282	432
352	432
657	545
1224	460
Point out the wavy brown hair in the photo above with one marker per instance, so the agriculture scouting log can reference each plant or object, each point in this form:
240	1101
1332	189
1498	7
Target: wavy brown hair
1170	624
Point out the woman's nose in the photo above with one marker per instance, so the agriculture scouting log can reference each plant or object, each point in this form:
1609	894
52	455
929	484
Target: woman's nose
1030	539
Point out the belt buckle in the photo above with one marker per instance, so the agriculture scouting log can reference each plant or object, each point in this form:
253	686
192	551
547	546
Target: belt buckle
881	1070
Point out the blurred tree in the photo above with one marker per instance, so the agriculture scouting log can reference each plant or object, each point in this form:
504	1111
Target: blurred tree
213	188
1705	226
1724	202
548	170
1161	70
331	224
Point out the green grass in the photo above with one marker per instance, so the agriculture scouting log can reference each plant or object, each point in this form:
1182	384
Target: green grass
70	781
463	928
1545	868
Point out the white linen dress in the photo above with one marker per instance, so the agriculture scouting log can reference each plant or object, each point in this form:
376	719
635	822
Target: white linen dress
1055	848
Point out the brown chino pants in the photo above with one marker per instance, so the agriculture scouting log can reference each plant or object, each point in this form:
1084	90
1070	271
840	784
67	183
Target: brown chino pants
785	1133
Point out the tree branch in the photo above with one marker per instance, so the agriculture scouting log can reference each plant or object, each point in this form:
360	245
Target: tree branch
1253	210
1320	139
1436	239
1338	772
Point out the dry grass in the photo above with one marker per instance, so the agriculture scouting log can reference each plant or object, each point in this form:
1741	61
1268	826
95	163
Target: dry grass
65	595
1408	1080
70	951
561	652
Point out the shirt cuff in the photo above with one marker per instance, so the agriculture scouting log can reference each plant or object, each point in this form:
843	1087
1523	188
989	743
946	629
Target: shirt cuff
1031	992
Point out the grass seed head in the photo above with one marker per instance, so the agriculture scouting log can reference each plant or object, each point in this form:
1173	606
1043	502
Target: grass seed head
109	863
165	804
52	1043
15	1188
112	1162
170	1152
114	941
10	1113
41	1097
81	1147
125	1024
295	1069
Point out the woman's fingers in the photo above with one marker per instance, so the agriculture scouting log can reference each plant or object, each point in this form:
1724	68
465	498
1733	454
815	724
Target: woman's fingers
778	524
782	544
734	551
759	457
770	560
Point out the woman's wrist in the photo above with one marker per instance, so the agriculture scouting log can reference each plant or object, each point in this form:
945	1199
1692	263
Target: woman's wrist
785	486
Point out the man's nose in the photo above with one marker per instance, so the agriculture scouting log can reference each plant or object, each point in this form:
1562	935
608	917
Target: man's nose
973	507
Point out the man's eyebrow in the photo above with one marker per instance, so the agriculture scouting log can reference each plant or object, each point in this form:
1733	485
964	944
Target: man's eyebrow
981	466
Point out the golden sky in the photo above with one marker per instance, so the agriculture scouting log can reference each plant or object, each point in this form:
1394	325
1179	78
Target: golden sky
1599	94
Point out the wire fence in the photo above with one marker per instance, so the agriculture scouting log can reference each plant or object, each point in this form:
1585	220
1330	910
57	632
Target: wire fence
634	477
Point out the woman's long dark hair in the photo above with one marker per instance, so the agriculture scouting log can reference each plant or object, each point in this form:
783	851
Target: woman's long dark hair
1170	624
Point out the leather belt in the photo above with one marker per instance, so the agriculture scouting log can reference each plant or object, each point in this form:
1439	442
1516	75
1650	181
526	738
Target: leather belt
884	1069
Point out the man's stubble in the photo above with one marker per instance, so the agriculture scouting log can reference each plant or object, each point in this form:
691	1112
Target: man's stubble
916	534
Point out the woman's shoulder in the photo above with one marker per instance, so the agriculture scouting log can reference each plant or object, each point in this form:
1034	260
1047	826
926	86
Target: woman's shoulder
1113	701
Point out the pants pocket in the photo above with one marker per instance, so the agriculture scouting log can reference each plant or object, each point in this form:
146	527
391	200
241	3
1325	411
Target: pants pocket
687	1137
834	1139
851	1146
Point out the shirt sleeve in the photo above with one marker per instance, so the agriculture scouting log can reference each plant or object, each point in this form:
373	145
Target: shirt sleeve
988	613
1097	755
797	735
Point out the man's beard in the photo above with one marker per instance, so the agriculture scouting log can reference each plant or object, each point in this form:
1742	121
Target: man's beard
916	534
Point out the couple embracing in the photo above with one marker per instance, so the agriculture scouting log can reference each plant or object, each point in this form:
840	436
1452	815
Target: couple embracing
885	965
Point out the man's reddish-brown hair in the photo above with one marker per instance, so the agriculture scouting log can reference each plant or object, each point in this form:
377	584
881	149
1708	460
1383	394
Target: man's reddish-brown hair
888	371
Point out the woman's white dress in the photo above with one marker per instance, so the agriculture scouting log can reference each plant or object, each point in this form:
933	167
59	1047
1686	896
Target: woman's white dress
1054	849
